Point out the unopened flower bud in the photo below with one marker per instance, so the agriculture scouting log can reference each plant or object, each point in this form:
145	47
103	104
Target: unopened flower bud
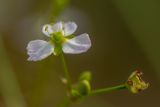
85	76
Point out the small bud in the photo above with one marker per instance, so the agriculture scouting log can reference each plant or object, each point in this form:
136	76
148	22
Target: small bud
80	90
135	83
84	87
85	76
75	95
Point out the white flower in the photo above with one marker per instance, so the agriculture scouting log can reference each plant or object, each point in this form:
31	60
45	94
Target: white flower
61	39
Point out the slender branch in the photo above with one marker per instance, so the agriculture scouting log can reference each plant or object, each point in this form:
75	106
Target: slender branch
66	72
106	90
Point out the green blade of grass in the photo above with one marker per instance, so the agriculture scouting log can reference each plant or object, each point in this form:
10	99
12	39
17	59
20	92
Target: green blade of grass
9	87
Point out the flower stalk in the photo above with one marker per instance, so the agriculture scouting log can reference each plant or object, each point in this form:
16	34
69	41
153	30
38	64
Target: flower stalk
66	72
107	90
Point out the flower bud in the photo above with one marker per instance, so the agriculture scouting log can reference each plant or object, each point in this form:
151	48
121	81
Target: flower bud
82	88
85	76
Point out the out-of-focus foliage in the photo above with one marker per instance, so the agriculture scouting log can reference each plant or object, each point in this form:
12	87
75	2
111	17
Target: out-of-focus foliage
9	87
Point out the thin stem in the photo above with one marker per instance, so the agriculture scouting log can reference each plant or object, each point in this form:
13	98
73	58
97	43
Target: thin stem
66	72
106	90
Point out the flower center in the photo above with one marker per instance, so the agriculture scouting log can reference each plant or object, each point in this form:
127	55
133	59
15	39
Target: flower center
57	38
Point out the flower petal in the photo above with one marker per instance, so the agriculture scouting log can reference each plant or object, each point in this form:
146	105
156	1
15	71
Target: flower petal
79	44
57	27
69	28
47	30
38	50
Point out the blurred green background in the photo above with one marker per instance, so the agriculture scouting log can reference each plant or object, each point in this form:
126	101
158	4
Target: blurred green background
125	36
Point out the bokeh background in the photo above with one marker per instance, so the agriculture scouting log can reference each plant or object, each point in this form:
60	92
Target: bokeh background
125	36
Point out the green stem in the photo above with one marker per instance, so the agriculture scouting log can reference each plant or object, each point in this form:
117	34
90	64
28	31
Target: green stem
110	89
66	72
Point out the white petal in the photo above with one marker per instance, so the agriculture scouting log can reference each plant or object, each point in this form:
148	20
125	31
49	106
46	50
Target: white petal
69	28
47	29
77	45
57	27
38	50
